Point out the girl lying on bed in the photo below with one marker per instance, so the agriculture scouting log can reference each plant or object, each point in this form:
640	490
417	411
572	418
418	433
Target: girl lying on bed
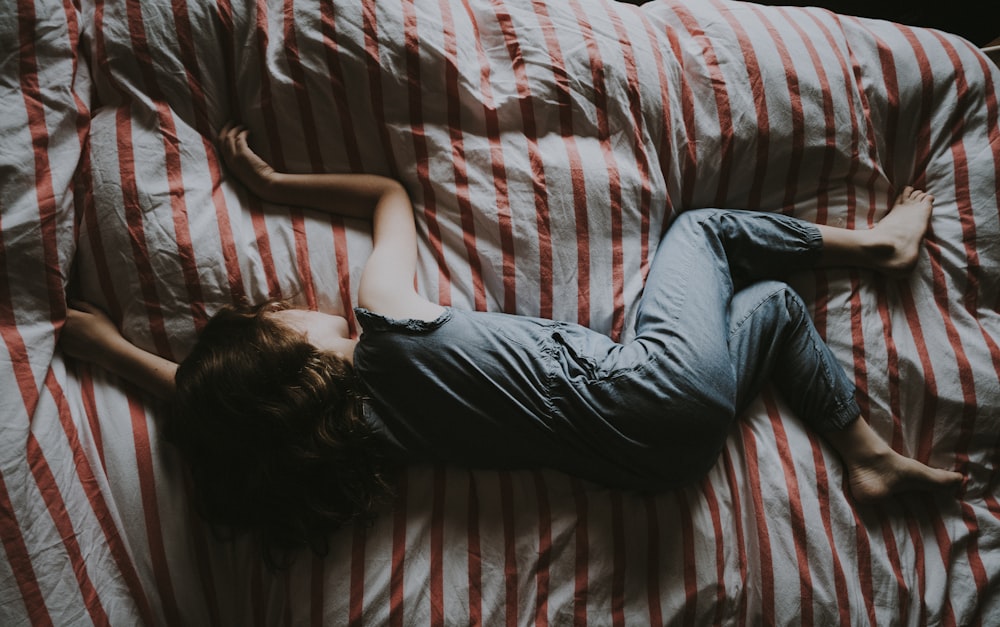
291	427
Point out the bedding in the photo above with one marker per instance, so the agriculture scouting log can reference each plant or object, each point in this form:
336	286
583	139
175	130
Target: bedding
546	145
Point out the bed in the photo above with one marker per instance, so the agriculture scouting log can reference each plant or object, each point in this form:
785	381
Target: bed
546	145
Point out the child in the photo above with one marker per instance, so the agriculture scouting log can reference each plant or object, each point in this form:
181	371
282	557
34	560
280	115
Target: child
291	427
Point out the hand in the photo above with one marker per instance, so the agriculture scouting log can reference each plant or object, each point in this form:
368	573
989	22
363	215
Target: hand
89	335
243	162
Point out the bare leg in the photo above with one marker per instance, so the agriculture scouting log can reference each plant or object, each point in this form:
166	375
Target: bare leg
876	471
891	247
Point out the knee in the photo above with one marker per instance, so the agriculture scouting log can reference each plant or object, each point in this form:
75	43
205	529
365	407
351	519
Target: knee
694	218
774	297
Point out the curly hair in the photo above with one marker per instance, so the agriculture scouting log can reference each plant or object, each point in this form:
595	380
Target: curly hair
271	429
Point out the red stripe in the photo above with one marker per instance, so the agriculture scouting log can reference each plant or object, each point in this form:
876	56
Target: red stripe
298	85
338	89
653	563
761	122
829	125
796	518
71	11
269	111
637	127
689	159
618	564
474	552
421	152
19	559
689	566
224	26
267	106
989	95
892	554
437	616
945	549
101	58
137	237
600	95
539	185
90	411
891	112
186	43
764	558
720	90
356	596
151	511
737	517
581	582
852	85
664	149
189	57
16	349
711	499
510	578
374	66
398	553
965	373
98	503
89	223
227	241
171	148
974	271
930	400
57	506
13	541
350	144
343	271
49	491
544	560
492	119
864	562
454	113
823	497
564	103
797	150
896	440
45	194
897	443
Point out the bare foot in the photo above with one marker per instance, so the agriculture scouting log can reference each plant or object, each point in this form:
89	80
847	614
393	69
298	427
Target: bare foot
894	243
890	473
875	471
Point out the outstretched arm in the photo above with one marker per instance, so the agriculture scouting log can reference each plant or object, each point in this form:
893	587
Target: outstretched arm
387	280
348	195
89	335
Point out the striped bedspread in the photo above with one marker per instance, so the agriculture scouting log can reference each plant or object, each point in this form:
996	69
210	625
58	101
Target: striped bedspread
546	145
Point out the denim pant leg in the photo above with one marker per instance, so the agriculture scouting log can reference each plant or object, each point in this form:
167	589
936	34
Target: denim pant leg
772	337
684	315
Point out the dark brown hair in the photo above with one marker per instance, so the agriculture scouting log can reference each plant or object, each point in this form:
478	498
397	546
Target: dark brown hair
272	431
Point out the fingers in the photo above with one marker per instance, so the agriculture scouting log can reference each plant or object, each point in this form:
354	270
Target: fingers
231	136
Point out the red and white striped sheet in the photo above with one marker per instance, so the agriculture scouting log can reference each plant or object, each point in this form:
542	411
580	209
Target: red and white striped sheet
546	146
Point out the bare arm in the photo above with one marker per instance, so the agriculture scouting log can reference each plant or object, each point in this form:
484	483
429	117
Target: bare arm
89	335
387	280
